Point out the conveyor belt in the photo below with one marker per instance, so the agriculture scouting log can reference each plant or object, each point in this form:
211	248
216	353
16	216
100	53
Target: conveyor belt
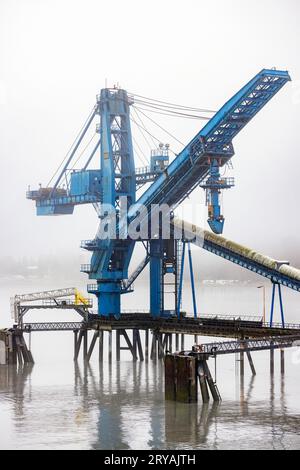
245	257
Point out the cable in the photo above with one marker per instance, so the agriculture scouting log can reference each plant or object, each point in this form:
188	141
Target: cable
174	105
158	140
141	121
143	158
80	155
146	140
170	109
70	149
175	114
167	132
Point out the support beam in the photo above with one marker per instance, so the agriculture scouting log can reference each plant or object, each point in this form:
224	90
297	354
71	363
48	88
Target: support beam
280	304
129	344
75	341
192	280
181	281
212	386
161	346
78	345
177	342
170	347
92	346
282	362
138	345
182	342
118	345
203	382
101	341
147	344
242	363
272	361
110	347
154	347
85	345
251	363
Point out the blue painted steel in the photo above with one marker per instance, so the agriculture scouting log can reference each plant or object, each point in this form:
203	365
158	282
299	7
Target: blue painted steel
91	156
111	258
192	165
181	280
272	304
85	129
192	280
210	149
242	107
215	218
55	209
86	183
156	257
280	304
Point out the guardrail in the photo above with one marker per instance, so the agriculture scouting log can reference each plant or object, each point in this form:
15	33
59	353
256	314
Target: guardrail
85	268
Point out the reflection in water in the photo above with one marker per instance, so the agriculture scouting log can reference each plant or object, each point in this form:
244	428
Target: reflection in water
121	406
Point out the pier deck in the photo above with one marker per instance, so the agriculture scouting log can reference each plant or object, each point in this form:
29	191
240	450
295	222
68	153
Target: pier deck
216	326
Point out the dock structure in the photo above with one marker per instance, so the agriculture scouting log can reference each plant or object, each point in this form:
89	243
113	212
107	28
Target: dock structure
146	337
149	338
200	163
13	348
140	333
183	370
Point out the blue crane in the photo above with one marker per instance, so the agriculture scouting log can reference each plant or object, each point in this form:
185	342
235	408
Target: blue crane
116	180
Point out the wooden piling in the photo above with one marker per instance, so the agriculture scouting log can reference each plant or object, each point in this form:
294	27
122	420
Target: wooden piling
212	386
92	346
272	361
170	346
139	347
118	346
154	347
177	342
251	363
110	347
202	381
161	346
85	345
101	341
282	362
78	345
180	378
182	342
147	344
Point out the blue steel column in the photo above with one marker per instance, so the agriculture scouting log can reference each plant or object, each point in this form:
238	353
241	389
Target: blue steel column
272	305
192	280
281	306
280	303
181	280
156	259
215	219
111	257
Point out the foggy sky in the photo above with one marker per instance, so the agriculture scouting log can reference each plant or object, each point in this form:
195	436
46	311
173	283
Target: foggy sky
55	57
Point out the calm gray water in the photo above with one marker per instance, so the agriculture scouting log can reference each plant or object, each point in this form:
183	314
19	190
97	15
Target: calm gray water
59	405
